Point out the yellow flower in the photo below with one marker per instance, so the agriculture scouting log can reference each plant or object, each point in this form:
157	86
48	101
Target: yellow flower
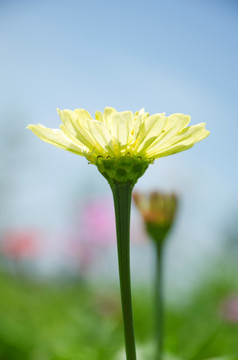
112	135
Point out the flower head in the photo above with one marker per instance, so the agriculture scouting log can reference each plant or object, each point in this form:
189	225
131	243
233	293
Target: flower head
158	211
122	144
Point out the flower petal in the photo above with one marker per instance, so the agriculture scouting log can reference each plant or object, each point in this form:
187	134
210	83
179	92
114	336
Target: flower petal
83	114
101	136
107	116
68	118
55	137
121	128
73	124
173	125
140	117
150	129
192	134
98	116
183	141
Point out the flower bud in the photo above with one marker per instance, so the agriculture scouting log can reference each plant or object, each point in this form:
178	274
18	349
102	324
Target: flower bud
158	211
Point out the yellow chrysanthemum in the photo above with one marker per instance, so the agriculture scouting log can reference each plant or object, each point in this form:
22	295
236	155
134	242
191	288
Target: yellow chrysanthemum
138	137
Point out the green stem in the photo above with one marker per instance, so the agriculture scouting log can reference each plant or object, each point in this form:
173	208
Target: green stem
159	308
122	204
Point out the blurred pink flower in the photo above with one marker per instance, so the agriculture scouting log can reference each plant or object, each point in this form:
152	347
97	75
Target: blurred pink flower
97	223
94	230
229	308
19	244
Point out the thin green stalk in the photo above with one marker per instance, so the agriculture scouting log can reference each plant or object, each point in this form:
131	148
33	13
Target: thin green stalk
159	302
122	204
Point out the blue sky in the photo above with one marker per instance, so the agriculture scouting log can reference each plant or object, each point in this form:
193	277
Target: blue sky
170	56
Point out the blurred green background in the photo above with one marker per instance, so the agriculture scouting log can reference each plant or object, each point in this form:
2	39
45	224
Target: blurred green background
58	262
65	319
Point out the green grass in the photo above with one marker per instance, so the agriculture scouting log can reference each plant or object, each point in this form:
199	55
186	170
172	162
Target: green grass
75	321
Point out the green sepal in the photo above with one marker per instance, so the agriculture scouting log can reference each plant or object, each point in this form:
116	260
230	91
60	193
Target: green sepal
123	170
157	232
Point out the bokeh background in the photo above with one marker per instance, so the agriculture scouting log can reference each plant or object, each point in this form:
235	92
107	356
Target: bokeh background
56	211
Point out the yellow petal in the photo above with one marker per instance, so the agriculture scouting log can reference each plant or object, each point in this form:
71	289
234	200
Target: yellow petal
70	136
68	118
83	114
56	138
101	136
107	116
121	128
139	113
173	125
98	116
73	124
192	134
139	120
183	141
150	129
169	151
